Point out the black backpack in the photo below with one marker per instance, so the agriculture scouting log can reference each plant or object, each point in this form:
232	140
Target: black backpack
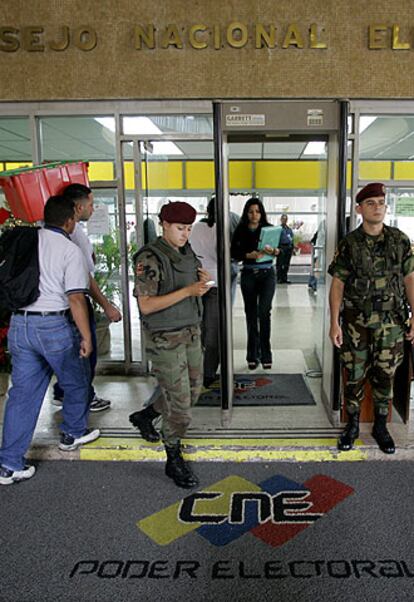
19	267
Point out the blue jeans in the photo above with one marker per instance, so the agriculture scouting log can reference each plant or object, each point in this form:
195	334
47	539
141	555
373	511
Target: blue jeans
58	390
41	346
258	287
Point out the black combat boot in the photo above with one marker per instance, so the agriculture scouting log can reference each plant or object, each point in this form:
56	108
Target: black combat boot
382	435
178	469
143	421
351	432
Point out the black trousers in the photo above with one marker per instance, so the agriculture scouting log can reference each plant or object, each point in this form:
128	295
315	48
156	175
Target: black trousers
283	263
210	334
258	288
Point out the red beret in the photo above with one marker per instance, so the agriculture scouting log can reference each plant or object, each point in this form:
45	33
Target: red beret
370	190
178	212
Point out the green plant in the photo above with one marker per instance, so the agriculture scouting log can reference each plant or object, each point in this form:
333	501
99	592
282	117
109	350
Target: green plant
108	262
297	238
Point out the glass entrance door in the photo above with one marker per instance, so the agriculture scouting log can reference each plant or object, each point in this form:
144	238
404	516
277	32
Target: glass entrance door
285	156
163	158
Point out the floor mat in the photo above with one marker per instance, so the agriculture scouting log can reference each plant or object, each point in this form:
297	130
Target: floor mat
262	390
109	531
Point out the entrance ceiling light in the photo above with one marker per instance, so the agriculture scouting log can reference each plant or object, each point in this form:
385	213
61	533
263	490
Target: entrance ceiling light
142	126
315	148
365	121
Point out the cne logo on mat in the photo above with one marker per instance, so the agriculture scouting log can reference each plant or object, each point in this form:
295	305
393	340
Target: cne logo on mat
243	384
275	511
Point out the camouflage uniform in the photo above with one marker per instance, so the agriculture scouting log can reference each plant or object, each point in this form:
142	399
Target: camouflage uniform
374	313
176	355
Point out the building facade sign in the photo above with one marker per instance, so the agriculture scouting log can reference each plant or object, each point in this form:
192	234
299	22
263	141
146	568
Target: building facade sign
98	49
38	38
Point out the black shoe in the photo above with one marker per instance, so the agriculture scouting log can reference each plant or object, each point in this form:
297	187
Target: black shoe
143	421
252	365
178	469
208	381
382	435
351	432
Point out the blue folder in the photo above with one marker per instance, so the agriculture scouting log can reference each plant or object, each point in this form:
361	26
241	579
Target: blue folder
269	235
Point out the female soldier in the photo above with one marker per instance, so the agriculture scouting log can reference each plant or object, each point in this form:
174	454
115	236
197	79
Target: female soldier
257	282
168	283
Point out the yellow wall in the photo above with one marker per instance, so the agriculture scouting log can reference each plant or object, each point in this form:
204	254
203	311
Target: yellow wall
246	175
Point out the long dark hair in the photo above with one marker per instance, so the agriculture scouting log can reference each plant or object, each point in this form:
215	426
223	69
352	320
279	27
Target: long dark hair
244	220
211	212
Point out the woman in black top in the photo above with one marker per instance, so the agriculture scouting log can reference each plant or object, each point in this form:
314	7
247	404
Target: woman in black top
258	281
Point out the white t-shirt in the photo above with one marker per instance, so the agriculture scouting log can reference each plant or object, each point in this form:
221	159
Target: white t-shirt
80	239
203	240
63	270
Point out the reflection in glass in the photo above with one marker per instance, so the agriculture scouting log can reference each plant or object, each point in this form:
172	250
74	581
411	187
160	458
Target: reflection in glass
15	143
168	124
104	236
77	138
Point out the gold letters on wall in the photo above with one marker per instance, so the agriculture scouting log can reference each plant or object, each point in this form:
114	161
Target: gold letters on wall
200	36
235	35
33	38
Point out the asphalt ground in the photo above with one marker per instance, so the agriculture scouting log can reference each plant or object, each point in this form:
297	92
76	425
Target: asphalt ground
108	531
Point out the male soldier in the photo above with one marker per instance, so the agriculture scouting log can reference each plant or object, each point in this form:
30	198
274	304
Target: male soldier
168	283
373	278
50	335
82	196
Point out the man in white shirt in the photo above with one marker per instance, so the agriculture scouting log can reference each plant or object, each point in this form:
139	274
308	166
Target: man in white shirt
51	335
83	199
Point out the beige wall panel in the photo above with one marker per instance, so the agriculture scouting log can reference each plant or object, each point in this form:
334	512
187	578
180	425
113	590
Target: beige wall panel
114	69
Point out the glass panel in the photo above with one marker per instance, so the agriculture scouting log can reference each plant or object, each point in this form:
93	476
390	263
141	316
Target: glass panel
165	176
386	147
290	178
103	231
167	124
387	152
401	210
78	138
92	139
15	143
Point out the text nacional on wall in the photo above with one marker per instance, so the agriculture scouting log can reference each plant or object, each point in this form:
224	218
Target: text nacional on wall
200	36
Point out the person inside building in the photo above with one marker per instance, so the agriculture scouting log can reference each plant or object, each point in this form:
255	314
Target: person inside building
169	284
82	196
51	335
257	282
372	285
286	250
204	243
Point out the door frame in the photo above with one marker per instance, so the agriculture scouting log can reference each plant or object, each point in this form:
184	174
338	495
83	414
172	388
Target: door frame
278	117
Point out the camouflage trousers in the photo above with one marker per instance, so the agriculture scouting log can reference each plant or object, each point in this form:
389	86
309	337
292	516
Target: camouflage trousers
177	363
373	354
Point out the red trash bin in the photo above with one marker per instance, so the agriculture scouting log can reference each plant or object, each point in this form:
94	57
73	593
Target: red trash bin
27	189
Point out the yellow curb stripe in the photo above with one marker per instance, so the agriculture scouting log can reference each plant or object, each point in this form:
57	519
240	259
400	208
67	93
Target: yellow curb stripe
128	443
148	455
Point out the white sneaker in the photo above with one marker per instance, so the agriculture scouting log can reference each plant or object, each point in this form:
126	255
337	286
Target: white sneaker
8	477
70	443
